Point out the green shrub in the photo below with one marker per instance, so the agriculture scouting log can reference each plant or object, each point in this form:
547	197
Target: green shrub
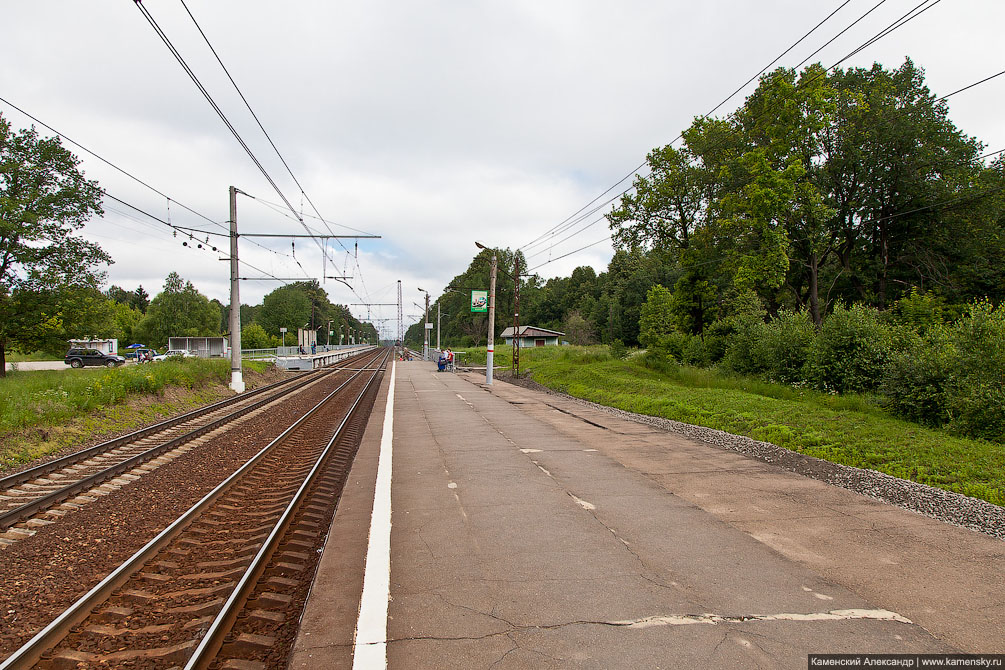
978	411
953	376
916	382
659	362
742	351
921	311
851	351
618	349
784	346
670	346
976	404
696	353
717	339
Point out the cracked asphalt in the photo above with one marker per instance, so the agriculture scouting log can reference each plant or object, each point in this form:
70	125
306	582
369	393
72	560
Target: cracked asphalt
529	531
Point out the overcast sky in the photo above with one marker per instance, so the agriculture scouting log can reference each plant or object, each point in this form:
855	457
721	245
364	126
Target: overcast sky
431	123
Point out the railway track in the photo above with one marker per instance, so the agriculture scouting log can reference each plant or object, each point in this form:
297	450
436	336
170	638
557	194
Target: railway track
39	496
223	585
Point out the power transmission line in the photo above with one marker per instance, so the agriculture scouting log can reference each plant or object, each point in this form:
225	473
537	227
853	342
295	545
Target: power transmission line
109	163
965	88
212	103
260	126
909	16
299	217
185	231
914	13
554	230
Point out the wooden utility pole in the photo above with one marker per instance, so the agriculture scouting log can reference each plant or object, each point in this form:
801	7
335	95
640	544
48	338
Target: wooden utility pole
516	315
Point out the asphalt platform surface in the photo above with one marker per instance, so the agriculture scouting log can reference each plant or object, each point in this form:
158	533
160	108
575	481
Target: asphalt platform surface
531	531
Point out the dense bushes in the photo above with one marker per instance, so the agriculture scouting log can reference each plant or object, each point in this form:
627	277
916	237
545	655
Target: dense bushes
954	375
850	352
949	375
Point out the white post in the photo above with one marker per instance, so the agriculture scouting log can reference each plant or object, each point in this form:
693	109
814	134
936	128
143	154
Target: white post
492	320
236	380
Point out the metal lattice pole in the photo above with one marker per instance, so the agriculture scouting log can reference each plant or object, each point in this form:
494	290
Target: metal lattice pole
401	322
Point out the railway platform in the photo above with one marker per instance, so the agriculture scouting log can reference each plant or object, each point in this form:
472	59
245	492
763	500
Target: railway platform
527	530
307	361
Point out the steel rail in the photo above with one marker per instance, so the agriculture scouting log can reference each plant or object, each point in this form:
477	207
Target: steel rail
10	517
214	638
43	469
26	511
31	652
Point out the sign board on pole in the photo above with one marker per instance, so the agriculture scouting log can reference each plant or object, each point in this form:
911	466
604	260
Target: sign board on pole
429	326
479	301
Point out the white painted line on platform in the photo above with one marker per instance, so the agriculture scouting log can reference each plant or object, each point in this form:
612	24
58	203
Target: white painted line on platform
371	626
833	615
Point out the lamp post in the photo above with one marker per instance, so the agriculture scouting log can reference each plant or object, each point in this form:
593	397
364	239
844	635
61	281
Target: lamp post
492	315
438	315
425	330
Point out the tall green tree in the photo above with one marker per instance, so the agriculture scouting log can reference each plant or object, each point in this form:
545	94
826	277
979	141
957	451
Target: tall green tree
178	311
44	199
846	185
286	307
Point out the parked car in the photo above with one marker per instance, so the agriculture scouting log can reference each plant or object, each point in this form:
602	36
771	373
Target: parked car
78	358
174	352
140	354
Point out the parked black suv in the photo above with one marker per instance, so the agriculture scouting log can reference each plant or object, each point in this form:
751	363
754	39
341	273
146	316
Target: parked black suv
78	358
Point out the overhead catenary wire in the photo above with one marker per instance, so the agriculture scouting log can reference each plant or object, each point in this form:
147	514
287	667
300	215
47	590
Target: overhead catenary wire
846	29
278	207
110	163
136	179
209	98
223	117
635	171
183	230
268	137
909	16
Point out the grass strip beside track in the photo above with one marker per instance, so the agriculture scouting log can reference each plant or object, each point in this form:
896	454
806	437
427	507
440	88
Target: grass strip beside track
43	412
851	430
